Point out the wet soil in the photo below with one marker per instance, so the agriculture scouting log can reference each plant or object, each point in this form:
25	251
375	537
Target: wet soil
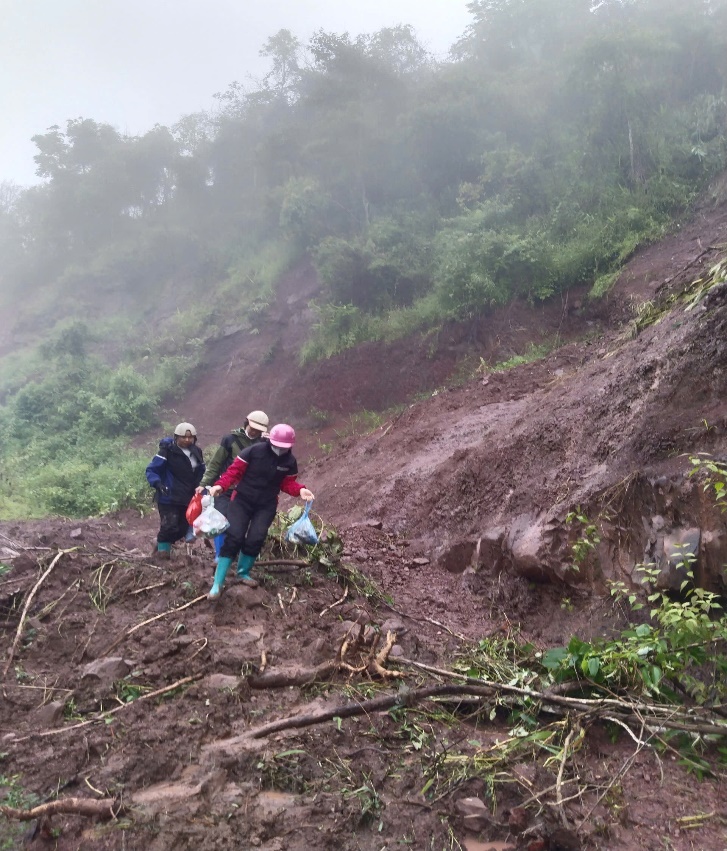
452	500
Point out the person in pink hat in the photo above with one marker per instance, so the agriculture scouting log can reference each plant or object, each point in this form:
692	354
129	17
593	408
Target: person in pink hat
258	474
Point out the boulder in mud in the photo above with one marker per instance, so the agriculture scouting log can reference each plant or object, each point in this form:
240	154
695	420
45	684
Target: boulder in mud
101	674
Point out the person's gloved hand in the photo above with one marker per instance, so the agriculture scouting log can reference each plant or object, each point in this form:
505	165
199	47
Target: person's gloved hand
306	495
163	490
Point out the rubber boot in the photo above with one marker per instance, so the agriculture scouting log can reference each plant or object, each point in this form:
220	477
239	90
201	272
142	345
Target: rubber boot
163	552
244	563
223	565
219	541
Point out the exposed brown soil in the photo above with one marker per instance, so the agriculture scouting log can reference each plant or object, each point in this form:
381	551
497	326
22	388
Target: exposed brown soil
454	505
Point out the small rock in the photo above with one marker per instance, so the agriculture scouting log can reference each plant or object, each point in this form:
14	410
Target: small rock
518	819
106	670
475	814
374	524
565	839
221	681
76	534
348	628
420	560
50	714
394	625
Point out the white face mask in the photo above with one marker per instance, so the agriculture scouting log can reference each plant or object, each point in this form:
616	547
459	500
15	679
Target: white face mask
278	450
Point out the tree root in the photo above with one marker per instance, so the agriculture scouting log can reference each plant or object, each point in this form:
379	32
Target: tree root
301	677
106	808
372	663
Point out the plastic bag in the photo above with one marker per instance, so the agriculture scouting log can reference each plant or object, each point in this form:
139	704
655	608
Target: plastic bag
210	522
194	509
302	531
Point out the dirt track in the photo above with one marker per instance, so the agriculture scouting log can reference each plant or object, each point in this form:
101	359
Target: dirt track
454	506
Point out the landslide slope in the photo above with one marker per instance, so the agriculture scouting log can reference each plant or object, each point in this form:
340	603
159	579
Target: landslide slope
123	684
483	474
480	468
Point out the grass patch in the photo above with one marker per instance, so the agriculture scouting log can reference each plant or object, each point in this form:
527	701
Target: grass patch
12	794
534	352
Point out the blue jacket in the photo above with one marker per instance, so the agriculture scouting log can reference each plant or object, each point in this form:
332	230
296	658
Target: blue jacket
170	472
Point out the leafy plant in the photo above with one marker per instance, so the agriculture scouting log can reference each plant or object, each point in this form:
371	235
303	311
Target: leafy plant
127	691
12	794
584	547
283	771
714	474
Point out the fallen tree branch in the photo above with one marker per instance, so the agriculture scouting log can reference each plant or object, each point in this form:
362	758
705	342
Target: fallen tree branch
425	620
559	779
133	629
28	601
293	562
106	808
15	545
102	716
376	704
150	587
631	712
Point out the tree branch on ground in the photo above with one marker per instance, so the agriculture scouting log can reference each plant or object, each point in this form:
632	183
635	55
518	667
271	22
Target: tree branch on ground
106	808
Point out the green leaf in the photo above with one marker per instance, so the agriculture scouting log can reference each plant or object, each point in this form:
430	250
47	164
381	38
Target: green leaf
554	658
594	666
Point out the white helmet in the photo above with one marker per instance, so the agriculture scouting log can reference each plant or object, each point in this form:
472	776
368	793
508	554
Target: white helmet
182	429
258	420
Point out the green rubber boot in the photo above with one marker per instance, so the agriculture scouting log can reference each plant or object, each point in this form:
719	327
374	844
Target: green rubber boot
163	552
223	565
244	564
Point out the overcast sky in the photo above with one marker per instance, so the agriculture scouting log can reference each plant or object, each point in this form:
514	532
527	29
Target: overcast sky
136	63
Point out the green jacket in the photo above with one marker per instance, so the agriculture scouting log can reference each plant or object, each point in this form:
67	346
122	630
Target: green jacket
230	447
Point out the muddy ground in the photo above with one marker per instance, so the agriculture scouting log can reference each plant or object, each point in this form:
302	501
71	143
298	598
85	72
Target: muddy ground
452	505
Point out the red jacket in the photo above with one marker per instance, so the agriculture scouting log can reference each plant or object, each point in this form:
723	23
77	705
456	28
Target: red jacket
258	474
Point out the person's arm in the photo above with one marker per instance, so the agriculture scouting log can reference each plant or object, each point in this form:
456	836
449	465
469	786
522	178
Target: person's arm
215	465
155	472
293	487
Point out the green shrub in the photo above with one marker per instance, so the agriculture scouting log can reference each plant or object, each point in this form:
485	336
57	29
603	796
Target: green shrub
122	403
81	477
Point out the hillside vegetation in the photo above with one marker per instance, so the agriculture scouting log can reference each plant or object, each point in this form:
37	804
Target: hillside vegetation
553	141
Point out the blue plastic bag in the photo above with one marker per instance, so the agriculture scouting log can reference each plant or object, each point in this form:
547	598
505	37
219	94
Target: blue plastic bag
302	531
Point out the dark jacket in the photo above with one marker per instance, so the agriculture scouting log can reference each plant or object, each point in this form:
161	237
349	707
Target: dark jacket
171	473
258	475
230	447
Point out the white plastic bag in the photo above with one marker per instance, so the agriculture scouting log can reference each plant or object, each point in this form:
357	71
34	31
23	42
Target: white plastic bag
210	522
